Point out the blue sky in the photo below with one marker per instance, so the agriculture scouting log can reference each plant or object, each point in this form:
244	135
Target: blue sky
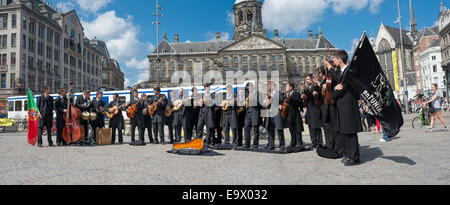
126	25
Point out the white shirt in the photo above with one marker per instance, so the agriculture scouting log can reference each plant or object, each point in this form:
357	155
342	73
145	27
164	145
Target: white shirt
343	69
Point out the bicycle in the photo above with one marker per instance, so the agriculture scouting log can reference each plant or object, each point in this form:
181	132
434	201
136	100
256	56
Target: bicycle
422	120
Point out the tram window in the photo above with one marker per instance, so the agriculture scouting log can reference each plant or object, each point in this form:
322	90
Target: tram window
10	106
25	105
18	106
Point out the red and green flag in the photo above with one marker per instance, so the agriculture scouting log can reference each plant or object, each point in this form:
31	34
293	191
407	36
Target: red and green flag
33	120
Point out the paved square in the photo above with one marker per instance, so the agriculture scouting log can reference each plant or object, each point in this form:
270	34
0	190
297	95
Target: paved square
411	158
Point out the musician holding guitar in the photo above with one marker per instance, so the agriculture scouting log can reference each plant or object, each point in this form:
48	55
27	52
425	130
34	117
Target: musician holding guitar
157	106
182	116
115	109
292	117
134	112
314	101
229	116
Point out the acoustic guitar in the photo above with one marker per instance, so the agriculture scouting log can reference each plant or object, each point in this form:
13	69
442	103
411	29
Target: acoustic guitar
152	108
132	110
112	112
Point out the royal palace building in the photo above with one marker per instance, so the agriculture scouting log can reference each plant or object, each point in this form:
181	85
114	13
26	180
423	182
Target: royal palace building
249	50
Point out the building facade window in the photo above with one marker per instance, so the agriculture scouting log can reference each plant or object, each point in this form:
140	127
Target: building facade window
13	40
14	20
4	22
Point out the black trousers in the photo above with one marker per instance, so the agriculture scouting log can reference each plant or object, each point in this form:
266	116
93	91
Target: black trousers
135	124
316	136
227	134
148	126
209	133
351	146
49	134
296	135
218	139
237	139
339	143
247	130
330	135
158	128
59	137
271	136
85	124
116	127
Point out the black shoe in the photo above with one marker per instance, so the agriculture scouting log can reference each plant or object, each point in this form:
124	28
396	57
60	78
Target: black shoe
51	145
254	147
131	143
345	160
352	163
40	145
283	149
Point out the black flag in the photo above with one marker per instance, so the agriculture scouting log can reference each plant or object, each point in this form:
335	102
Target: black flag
368	80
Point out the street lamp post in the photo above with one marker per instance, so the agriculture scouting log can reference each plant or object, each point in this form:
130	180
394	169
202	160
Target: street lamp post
158	60
402	54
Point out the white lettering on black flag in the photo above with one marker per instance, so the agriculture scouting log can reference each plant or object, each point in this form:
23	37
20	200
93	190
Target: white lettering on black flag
368	80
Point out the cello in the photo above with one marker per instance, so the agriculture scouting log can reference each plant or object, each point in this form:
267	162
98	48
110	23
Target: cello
73	132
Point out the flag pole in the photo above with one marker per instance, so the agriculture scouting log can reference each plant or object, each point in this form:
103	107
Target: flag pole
402	58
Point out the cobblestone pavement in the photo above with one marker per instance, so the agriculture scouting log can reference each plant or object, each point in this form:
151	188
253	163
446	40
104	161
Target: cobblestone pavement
413	157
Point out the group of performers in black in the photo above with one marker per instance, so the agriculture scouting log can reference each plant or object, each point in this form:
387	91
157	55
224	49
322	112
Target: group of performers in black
241	113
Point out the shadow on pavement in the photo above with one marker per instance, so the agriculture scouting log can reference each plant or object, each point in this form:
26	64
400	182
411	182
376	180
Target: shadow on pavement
400	160
370	154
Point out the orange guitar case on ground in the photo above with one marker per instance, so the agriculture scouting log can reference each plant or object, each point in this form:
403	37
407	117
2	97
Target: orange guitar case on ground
194	147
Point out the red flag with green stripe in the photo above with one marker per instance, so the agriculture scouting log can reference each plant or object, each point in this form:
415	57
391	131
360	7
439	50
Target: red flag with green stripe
33	120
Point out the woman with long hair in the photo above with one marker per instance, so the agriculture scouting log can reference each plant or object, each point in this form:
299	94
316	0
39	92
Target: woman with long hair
437	107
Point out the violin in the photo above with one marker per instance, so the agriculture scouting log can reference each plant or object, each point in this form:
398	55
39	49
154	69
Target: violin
73	132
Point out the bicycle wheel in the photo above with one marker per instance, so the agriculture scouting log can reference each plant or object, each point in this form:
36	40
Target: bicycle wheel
417	123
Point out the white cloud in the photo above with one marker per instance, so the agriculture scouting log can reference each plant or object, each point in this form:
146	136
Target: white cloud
127	83
230	17
92	5
295	16
211	36
138	64
120	35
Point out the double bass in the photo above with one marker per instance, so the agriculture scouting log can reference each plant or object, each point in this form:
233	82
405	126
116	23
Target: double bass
73	132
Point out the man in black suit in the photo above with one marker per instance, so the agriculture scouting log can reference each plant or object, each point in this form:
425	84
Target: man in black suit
229	116
115	123
168	120
253	118
313	111
293	118
195	110
147	122
240	113
349	121
158	118
206	116
137	119
98	106
84	103
61	104
273	121
45	114
183	118
329	118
